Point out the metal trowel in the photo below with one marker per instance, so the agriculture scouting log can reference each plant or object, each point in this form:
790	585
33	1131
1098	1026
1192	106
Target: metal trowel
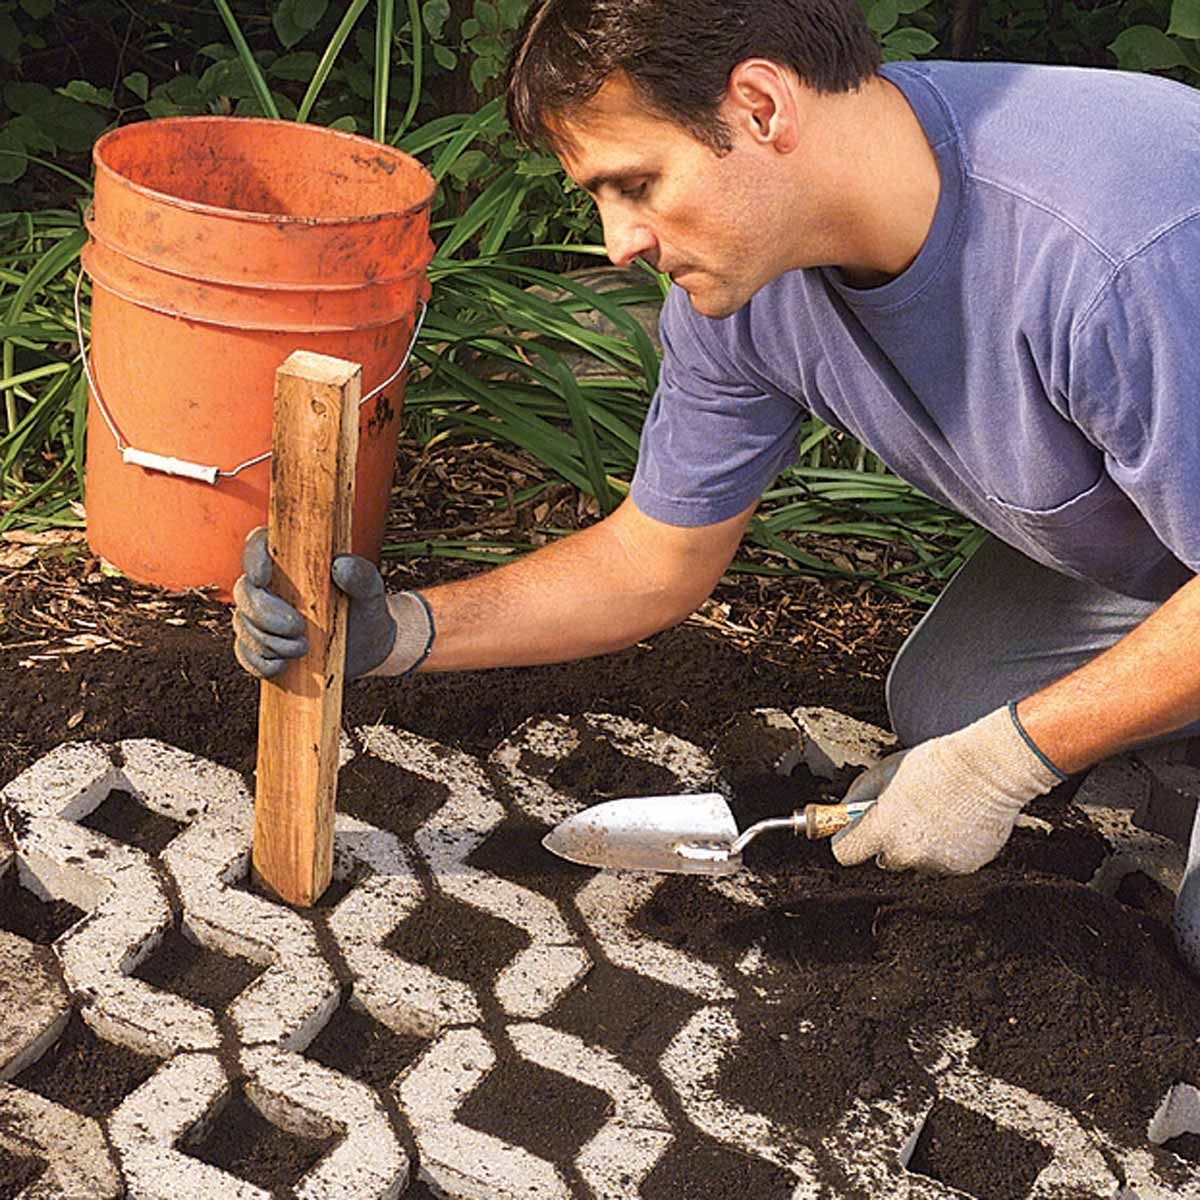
687	835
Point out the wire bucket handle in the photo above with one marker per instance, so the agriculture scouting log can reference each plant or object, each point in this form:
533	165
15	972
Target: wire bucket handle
182	467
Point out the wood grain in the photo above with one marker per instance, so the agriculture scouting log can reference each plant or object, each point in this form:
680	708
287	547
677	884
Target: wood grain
314	447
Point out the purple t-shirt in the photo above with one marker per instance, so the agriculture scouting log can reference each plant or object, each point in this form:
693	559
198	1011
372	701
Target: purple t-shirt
1037	367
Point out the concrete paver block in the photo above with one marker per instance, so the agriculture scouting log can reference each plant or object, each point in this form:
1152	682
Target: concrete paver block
79	1165
1082	1157
307	1099
692	1062
34	1004
68	782
1109	796
462	1161
1168	806
610	902
537	977
293	999
616	1160
523	760
1179	1113
174	1101
838	747
407	997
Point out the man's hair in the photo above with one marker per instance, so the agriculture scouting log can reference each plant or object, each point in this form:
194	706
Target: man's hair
678	55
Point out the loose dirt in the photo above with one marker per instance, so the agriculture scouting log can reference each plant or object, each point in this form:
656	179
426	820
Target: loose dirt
1077	997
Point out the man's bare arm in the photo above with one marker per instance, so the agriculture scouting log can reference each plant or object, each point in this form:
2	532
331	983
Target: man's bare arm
1146	685
598	590
952	801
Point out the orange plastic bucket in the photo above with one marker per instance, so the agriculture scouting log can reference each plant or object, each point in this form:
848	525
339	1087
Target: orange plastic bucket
218	246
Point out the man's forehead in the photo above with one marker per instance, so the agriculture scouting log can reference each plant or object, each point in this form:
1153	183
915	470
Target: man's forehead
607	136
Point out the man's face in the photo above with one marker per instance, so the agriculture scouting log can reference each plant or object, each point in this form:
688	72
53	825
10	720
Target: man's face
665	197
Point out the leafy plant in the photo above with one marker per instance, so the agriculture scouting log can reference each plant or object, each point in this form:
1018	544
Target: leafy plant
1176	49
496	359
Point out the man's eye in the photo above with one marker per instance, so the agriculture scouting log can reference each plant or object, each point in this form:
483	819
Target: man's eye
636	192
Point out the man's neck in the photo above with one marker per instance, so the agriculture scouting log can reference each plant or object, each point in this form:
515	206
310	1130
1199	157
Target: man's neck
889	186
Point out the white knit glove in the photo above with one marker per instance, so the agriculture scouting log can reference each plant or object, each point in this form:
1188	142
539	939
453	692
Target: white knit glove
952	801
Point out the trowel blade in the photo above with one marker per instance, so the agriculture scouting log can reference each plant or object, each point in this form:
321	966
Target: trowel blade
644	833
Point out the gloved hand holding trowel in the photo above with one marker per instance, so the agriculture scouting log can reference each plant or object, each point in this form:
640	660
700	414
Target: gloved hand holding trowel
946	806
949	804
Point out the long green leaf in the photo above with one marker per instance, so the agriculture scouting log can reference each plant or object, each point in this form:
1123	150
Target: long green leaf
384	15
585	431
253	72
340	35
418	71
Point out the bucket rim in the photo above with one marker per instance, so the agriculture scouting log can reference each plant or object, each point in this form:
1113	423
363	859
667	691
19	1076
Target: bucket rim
241	214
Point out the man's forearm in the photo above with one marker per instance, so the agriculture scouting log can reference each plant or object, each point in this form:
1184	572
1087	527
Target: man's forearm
1146	685
598	590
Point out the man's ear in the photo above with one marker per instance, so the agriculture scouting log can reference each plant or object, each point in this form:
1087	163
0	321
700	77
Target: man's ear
762	101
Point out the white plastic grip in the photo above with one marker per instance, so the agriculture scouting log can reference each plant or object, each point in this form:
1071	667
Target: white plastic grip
169	466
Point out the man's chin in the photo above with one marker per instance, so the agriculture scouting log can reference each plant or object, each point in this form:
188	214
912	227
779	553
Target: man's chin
710	302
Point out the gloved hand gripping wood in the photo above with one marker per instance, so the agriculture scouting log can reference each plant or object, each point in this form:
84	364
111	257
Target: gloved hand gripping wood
386	634
949	804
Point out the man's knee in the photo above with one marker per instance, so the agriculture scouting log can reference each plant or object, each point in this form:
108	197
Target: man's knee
1186	925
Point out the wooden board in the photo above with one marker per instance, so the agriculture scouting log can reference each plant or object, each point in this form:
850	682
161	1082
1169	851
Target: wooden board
314	446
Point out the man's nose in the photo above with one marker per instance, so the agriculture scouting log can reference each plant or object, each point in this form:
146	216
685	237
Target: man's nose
625	240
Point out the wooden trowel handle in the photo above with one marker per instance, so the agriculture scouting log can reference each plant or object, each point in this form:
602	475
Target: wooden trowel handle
824	820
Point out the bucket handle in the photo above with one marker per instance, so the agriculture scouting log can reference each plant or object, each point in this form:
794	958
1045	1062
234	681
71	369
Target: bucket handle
182	467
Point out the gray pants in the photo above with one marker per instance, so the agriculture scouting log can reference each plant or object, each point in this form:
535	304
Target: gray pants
1003	628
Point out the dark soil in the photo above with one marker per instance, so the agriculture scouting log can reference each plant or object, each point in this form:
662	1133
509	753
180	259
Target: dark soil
123	818
196	973
1006	1172
86	1074
16	1174
243	1142
545	1112
697	1168
357	1045
1072	995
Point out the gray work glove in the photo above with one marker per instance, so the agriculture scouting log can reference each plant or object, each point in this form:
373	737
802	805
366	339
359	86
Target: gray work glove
950	803
392	632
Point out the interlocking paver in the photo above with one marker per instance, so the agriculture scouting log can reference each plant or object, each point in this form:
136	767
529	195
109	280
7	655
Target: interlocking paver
836	746
79	1165
1109	796
367	1164
615	1160
462	1161
155	1117
538	976
1082	1158
34	1003
131	900
290	1001
692	1062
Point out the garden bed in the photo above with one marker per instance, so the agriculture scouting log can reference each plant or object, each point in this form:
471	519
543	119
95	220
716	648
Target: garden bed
816	995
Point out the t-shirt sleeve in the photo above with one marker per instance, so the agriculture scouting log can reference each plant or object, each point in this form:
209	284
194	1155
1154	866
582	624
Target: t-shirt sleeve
715	436
1135	384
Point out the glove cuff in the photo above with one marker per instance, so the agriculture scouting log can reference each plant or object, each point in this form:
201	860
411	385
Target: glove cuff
1059	776
415	634
999	749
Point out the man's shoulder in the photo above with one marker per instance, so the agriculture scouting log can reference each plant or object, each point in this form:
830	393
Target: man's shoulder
1112	156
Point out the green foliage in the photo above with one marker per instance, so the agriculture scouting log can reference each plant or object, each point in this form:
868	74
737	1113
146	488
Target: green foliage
904	27
1175	49
495	358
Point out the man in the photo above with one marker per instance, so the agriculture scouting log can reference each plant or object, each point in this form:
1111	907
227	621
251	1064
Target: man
990	274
